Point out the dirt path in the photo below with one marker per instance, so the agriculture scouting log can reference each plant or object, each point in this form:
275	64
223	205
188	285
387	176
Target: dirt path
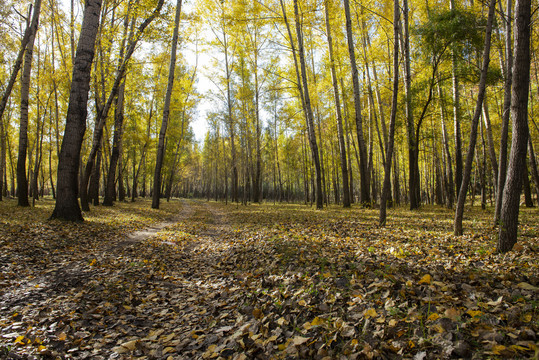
144	294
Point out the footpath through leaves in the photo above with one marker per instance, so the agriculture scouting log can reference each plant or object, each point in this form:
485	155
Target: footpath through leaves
203	280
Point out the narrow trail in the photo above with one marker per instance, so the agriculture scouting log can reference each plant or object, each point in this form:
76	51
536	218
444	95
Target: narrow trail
148	293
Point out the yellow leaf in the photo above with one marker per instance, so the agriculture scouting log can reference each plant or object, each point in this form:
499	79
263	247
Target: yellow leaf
41	348
433	317
497	349
92	263
370	313
409	283
19	340
438	328
130	345
519	348
527	317
168	350
474	313
392	322
62	337
327	275
302	303
427	279
317	321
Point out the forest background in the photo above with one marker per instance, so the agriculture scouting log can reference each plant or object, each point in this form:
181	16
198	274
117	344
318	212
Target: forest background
312	102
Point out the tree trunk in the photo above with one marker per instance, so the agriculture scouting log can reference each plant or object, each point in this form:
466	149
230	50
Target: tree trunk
389	149
310	117
449	187
67	206
110	187
29	33
490	141
459	212
502	171
519	113
102	116
528	202
413	161
533	166
22	180
340	134
363	171
166	111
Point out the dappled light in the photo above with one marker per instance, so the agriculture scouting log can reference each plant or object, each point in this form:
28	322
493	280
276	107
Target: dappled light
206	280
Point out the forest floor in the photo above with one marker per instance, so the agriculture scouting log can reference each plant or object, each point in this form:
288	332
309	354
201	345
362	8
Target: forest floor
204	280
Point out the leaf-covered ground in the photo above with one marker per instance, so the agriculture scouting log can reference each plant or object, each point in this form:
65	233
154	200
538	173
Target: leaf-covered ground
199	280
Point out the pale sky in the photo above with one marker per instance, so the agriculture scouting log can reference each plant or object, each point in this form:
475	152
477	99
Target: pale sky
204	85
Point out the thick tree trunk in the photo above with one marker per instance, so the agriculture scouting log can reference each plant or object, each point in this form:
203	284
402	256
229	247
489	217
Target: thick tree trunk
459	212
67	206
391	140
365	198
519	114
166	111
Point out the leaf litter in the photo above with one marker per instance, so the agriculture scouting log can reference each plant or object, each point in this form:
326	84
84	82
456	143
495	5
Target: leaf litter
201	280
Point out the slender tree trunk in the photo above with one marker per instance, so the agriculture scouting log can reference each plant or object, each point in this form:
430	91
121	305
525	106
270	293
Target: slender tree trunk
166	111
389	149
459	212
348	130
29	33
67	206
528	201
310	117
449	188
490	142
413	146
519	113
340	134
110	187
533	167
22	180
363	169
502	171
102	116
